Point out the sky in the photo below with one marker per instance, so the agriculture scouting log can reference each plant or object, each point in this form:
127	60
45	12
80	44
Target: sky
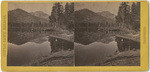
46	7
99	6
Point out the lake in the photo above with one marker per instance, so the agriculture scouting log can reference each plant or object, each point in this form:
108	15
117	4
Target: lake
26	47
92	47
27	53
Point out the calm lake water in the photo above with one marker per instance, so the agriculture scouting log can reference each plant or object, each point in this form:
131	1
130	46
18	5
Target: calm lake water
94	52
28	52
92	47
24	47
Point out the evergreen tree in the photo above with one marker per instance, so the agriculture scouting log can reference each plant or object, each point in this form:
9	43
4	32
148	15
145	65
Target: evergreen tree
123	14
135	13
67	11
52	17
69	15
118	17
56	14
129	18
72	16
138	8
133	9
62	19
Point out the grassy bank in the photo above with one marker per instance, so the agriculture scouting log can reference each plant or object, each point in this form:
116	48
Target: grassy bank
126	58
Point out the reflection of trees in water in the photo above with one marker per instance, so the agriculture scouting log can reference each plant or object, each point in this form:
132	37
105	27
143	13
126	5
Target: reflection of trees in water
87	37
58	44
19	37
125	44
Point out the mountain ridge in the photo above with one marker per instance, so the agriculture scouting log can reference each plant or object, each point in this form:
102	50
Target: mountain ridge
21	16
40	14
107	14
86	15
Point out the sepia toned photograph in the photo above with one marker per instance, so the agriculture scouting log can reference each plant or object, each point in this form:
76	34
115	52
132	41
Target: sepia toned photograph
73	34
40	34
107	34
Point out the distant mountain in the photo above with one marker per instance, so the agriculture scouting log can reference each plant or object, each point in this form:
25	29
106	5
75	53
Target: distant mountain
107	14
21	16
88	16
40	14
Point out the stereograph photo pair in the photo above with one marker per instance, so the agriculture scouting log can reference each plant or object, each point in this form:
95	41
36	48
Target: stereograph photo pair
74	36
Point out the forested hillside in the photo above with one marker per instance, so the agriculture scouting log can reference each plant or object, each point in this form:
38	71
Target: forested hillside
21	18
129	16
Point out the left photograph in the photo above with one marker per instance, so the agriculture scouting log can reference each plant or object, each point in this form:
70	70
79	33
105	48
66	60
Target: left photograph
40	34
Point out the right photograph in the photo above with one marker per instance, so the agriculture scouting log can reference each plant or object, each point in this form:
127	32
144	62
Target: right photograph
107	33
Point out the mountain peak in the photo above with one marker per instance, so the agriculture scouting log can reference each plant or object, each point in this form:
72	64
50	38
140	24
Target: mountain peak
107	14
20	16
37	12
40	14
88	16
85	10
19	10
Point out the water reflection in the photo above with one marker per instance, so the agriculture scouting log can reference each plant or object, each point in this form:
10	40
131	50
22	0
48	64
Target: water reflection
125	44
21	55
58	44
86	55
25	47
19	38
87	37
93	46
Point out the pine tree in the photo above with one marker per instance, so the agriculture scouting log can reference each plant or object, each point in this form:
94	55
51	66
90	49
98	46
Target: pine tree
123	16
135	13
133	9
118	17
67	11
138	8
69	15
56	14
52	17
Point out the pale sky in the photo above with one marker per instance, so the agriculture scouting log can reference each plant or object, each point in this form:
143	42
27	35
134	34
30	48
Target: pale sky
46	7
99	6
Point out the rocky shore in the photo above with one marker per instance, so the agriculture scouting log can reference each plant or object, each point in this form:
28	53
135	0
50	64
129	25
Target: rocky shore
126	58
61	58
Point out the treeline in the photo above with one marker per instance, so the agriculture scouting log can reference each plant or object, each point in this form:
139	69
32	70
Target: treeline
28	25
62	17
129	16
